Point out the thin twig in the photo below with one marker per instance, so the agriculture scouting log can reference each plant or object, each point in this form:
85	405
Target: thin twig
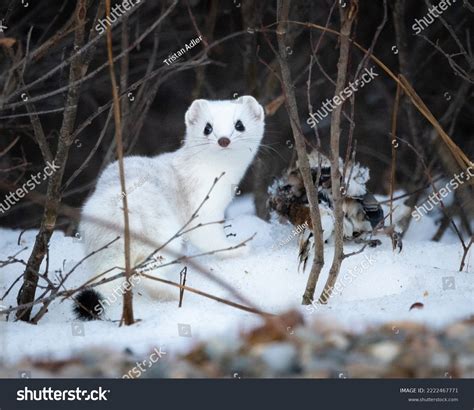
127	314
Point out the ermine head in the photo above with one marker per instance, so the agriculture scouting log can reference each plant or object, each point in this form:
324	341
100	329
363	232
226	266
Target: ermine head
225	127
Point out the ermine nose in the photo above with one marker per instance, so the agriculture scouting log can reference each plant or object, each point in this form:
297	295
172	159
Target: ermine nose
223	141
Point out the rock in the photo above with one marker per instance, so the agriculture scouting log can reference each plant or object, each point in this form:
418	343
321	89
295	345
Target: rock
385	351
279	358
337	340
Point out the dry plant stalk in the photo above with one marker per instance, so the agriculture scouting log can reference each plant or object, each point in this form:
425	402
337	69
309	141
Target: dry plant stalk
465	253
303	161
458	154
127	313
393	142
77	70
406	69
449	218
347	18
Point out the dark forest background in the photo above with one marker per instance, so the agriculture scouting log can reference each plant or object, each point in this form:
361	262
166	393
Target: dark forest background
236	58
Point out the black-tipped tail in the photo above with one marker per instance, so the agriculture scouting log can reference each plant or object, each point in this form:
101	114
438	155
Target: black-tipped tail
87	305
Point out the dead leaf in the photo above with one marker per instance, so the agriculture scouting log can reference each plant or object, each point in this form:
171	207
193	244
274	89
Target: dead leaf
417	305
276	329
7	42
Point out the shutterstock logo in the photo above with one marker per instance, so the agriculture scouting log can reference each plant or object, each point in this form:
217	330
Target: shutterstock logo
330	104
50	394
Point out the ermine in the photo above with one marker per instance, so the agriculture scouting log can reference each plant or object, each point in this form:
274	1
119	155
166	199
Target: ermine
221	136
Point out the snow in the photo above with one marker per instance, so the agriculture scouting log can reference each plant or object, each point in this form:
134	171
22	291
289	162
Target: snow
383	286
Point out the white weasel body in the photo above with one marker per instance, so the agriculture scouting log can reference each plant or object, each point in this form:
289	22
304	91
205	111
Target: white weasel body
164	191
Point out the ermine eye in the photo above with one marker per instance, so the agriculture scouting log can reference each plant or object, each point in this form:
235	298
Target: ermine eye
207	129
239	126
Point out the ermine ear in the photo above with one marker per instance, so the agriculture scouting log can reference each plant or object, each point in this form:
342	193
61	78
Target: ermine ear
254	107
195	110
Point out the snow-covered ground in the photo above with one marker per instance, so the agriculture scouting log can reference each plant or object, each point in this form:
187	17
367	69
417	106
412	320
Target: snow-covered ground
383	288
